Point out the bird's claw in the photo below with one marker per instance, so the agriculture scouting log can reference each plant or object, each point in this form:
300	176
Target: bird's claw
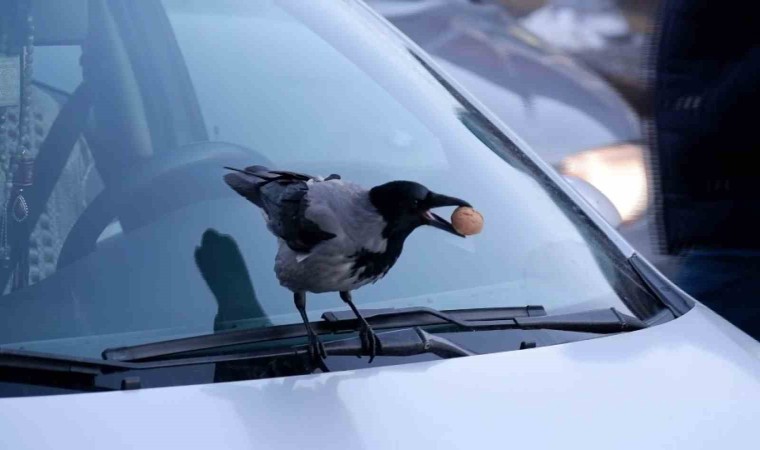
321	349
317	352
370	342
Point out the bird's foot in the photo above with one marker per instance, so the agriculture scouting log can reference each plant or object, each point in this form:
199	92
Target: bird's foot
317	352
370	342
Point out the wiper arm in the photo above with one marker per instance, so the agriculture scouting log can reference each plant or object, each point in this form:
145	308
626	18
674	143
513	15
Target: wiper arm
422	316
404	342
595	321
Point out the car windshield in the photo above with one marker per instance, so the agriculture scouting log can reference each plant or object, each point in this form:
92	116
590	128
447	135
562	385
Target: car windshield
118	119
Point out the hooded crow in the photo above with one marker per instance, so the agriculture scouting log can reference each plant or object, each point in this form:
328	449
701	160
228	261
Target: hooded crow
337	236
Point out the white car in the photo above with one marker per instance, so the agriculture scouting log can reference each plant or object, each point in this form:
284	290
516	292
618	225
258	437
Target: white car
140	309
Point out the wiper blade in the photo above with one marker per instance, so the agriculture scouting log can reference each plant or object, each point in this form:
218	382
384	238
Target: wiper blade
596	321
37	368
602	321
607	320
28	360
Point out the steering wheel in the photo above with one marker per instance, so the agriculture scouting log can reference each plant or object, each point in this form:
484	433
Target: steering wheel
164	183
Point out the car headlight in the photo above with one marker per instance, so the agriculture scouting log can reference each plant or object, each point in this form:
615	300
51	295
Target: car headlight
618	171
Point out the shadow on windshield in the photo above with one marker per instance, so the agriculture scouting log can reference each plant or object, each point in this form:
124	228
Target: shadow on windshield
222	266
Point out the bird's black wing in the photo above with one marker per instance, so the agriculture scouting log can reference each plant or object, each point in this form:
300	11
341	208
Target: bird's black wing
284	174
285	203
282	196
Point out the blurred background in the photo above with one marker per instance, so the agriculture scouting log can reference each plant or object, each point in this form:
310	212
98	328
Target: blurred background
576	80
608	36
567	76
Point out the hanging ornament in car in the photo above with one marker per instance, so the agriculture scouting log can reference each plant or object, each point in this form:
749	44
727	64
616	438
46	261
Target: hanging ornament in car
20	166
22	178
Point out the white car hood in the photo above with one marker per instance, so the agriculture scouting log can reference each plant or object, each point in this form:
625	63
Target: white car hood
691	383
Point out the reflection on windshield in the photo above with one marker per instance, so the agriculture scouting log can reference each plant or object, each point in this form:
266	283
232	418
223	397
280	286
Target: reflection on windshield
313	87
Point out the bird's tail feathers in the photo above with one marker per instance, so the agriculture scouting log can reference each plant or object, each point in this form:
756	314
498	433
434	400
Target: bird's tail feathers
256	171
247	182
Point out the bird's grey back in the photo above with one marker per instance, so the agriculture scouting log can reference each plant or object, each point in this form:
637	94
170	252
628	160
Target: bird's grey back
282	197
343	208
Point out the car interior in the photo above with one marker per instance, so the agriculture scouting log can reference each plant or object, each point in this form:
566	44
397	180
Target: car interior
97	169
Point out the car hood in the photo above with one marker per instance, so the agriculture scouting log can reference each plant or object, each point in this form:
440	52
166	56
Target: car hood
691	383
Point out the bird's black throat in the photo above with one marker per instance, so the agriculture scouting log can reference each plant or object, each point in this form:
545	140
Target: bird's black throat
396	203
374	265
404	207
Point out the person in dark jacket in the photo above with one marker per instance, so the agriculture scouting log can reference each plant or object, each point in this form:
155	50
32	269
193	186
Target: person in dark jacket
706	146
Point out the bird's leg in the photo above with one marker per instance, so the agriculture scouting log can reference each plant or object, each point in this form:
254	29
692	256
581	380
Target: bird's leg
316	348
370	341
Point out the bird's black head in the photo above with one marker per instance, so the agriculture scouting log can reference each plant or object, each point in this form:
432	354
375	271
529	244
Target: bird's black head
406	205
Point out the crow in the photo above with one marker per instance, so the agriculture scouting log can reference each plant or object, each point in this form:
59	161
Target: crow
335	235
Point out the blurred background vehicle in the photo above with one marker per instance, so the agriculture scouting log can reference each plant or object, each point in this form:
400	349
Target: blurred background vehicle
572	116
608	36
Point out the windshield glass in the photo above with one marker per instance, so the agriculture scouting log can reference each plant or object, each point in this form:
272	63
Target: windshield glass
133	108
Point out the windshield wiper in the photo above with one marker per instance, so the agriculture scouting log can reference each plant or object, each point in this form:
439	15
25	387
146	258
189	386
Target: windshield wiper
408	339
82	374
332	323
603	321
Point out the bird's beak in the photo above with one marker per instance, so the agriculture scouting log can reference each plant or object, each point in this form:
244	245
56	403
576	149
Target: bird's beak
434	220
